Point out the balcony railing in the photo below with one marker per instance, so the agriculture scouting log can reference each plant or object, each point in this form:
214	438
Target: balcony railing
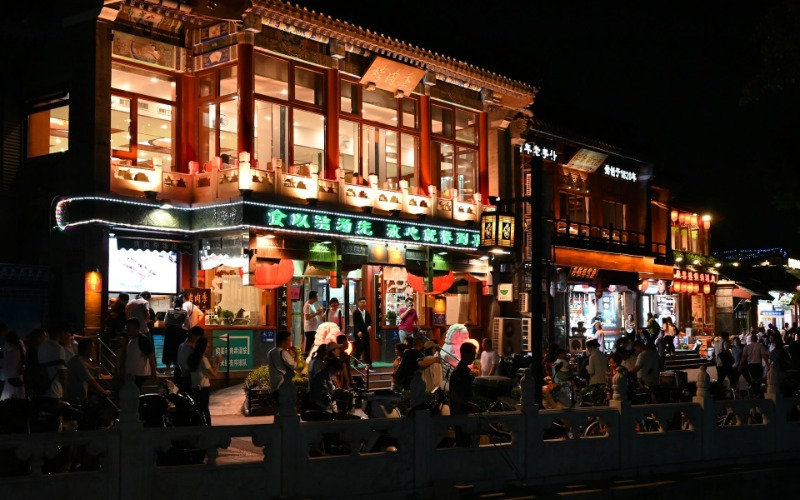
216	182
589	235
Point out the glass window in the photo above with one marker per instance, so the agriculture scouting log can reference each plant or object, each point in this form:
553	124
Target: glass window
574	207
349	97
308	153
410	115
228	83
441	121
271	77
228	129
154	134
614	214
443	162
466	170
380	156
309	86
48	127
206	85
348	146
142	82
271	135
207	144
120	123
379	106
466	126
409	151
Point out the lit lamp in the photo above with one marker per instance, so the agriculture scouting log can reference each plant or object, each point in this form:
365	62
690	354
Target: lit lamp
673	216
94	282
706	222
497	230
682	219
694	220
706	288
245	175
676	286
696	287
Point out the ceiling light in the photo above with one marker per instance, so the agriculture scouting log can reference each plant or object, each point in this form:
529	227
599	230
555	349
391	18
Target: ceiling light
696	262
484	257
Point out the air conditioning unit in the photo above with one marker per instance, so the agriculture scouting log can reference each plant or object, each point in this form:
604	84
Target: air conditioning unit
526	333
524	302
507	336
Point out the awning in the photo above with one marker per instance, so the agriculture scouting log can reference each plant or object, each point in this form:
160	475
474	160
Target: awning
440	283
270	276
153	245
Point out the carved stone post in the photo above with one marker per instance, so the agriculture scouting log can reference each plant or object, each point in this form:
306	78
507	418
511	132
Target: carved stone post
707	424
289	423
778	419
533	437
137	460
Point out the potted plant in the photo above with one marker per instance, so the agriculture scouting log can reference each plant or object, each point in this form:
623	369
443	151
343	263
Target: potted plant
259	399
391	317
227	317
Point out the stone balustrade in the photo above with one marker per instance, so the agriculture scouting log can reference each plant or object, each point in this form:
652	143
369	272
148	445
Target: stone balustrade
542	446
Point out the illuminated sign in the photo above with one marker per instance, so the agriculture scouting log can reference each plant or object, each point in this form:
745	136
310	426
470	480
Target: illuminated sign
530	148
682	274
586	159
584	273
497	230
793	264
331	224
619	173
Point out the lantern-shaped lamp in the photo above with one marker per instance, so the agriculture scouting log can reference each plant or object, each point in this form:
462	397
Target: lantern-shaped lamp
673	216
707	288
696	287
497	231
706	222
245	176
676	286
694	220
682	219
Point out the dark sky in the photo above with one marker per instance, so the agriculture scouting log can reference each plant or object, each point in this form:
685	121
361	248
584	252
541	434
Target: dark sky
661	80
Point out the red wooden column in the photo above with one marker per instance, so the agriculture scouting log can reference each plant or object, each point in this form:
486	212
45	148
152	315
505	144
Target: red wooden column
245	70
331	124
425	174
185	149
483	156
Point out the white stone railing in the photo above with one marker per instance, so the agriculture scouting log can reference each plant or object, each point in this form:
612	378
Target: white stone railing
286	465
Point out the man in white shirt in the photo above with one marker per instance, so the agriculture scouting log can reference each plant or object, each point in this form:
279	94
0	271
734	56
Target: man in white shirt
137	358
194	316
139	308
598	364
312	313
52	356
489	358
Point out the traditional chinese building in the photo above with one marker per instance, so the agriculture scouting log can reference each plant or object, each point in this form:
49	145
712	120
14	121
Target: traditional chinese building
252	152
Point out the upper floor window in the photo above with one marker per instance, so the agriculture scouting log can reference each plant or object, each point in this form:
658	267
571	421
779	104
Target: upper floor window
409	114
142	110
614	214
218	83
48	126
308	143
271	77
218	131
441	121
309	86
349	97
466	126
379	106
271	137
574	207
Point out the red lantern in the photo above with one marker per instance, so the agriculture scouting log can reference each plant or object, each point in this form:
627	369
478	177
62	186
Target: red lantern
682	219
706	289
696	287
694	220
676	286
673	216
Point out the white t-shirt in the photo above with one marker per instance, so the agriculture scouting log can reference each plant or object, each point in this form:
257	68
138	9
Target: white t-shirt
310	325
200	377
49	351
139	309
189	308
336	317
488	360
135	360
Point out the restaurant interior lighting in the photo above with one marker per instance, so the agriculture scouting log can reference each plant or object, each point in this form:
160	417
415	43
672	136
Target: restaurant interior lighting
696	262
678	259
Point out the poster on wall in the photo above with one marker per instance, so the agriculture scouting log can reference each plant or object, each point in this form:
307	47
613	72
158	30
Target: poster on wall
139	270
607	309
665	308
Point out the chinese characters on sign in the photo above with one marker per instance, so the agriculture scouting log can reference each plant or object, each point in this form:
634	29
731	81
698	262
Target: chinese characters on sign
683	274
299	219
200	297
584	273
240	354
530	148
619	173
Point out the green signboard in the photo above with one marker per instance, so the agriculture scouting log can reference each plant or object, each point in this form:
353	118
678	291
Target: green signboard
358	226
241	350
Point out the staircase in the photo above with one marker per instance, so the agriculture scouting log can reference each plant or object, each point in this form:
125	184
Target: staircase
380	377
686	360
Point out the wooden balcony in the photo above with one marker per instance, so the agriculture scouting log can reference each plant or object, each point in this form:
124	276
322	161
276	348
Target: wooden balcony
581	235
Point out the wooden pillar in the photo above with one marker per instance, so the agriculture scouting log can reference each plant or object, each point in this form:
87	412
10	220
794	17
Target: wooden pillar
425	174
186	124
483	156
332	124
245	74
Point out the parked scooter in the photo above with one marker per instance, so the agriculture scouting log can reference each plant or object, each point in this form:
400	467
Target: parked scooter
170	408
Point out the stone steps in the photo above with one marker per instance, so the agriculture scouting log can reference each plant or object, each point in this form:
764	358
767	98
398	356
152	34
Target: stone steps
685	360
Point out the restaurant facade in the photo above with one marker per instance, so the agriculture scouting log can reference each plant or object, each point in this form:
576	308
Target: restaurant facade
251	156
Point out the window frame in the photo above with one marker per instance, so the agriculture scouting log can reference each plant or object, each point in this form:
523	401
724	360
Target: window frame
42	103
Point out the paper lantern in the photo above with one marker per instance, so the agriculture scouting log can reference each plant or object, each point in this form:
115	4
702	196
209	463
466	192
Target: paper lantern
696	287
694	220
676	286
682	219
673	216
706	289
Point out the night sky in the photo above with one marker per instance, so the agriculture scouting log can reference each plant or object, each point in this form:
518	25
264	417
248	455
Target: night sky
664	81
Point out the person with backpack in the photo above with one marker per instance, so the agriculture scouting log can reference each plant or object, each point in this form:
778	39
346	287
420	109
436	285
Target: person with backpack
137	358
723	355
175	333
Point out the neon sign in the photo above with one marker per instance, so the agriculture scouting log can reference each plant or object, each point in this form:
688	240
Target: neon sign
619	173
299	219
530	148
